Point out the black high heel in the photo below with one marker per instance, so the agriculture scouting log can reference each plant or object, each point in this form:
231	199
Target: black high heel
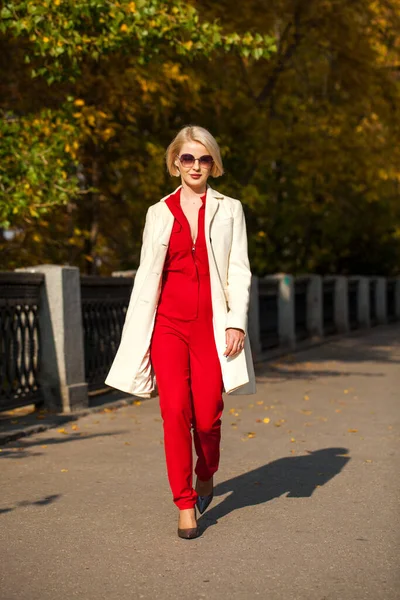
189	533
203	502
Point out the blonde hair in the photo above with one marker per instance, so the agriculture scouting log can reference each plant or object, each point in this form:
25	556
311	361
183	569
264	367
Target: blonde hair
194	133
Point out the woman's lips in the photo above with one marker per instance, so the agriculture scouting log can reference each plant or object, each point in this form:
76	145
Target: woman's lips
195	175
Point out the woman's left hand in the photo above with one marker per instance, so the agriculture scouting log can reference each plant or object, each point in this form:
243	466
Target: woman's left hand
234	341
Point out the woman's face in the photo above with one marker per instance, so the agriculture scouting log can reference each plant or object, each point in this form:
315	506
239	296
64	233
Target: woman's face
194	176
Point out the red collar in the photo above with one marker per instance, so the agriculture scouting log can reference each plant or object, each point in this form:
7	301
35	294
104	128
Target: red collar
176	197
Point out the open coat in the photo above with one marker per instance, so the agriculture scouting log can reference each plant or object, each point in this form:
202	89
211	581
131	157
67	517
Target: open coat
230	279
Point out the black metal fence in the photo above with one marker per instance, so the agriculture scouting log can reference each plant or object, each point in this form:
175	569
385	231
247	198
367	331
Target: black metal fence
268	310
301	286
373	317
328	308
353	291
19	339
391	299
104	305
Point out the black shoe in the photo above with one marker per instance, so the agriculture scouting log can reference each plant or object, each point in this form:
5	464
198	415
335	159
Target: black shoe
190	532
203	502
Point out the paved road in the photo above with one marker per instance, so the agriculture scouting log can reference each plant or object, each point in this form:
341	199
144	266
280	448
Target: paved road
306	507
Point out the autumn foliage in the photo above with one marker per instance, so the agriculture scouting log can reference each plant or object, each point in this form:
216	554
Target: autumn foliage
303	98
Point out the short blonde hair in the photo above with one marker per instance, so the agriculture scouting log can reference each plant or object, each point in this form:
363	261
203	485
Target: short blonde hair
194	133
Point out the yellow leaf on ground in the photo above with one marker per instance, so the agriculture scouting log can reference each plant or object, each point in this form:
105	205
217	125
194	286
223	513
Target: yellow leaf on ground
62	430
292	439
306	397
266	420
368	460
232	410
44	446
352	430
251	434
137	402
64	470
345	391
260	401
74	427
306	412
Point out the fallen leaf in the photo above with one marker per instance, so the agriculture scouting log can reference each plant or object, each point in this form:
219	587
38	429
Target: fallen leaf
62	430
258	420
127	443
306	397
352	430
137	402
345	391
338	410
236	414
232	410
74	427
293	452
323	419
279	423
260	401
44	446
306	412
292	439
64	470
251	405
368	460
266	420
251	434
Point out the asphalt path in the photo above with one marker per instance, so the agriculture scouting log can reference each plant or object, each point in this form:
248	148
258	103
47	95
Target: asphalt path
306	500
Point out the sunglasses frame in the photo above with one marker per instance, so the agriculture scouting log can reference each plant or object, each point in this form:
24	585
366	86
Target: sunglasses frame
202	164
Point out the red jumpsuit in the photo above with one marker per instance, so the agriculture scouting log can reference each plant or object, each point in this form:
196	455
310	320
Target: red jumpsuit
185	360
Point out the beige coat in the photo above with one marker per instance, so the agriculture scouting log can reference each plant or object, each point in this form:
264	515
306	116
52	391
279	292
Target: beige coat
230	279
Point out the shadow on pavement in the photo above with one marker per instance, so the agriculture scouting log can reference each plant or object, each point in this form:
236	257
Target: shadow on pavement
296	476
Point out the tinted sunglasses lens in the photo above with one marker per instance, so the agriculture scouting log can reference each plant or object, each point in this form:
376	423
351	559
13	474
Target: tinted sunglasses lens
206	160
187	160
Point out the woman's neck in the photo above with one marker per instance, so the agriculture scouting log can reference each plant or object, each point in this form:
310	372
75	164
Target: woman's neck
193	192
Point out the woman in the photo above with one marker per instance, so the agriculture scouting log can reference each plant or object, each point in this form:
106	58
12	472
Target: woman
186	322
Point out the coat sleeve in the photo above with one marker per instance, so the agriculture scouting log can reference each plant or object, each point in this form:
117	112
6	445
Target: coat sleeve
146	257
239	274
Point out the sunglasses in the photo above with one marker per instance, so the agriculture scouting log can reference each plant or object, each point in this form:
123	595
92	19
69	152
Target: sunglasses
187	161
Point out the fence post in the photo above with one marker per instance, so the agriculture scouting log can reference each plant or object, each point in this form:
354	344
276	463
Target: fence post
286	316
341	304
315	323
62	364
254	318
380	299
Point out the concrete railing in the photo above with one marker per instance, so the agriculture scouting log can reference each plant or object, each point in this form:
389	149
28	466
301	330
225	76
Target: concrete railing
284	312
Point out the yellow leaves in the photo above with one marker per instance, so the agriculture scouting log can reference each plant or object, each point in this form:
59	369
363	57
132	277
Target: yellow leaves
132	7
123	28
64	470
266	420
251	434
292	439
306	397
306	412
260	402
345	391
74	427
79	102
137	402
279	423
188	45
77	115
352	430
45	39
63	430
368	460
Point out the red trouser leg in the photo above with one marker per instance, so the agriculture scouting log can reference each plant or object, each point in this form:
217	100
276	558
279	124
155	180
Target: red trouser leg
206	385
187	369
